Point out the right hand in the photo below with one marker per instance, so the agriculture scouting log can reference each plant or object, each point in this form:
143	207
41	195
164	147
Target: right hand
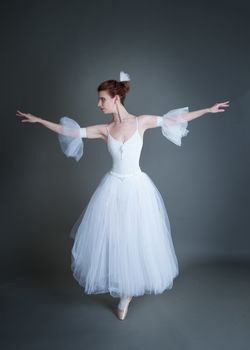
30	118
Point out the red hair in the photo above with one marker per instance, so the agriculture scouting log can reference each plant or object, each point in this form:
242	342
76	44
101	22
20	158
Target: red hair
114	87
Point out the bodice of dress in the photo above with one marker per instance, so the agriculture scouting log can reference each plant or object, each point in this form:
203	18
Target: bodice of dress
125	155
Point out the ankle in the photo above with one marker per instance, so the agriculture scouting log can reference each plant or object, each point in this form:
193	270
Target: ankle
124	301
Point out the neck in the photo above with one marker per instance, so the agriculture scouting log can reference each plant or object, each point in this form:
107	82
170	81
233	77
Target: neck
121	114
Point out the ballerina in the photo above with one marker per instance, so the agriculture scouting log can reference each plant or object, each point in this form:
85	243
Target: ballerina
122	239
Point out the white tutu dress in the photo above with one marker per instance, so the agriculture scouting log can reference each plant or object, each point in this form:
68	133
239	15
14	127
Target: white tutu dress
122	239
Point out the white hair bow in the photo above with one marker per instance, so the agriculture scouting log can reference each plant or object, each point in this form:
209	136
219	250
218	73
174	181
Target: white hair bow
124	76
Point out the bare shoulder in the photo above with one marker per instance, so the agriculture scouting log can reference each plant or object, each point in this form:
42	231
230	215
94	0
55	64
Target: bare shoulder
97	131
103	130
148	121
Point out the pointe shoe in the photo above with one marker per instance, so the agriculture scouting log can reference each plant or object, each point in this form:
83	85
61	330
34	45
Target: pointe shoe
121	314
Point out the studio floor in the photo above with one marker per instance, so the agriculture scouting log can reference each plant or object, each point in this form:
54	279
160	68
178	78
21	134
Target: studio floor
207	308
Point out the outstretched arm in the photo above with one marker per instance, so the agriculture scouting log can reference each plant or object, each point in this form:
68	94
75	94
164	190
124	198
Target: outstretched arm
218	107
91	132
174	123
70	134
151	121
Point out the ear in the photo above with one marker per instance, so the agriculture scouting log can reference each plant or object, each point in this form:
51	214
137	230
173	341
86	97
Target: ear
117	98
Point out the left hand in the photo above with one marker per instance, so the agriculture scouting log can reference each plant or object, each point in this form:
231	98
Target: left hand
217	106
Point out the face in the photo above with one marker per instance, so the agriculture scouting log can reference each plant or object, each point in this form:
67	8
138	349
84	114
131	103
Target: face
106	103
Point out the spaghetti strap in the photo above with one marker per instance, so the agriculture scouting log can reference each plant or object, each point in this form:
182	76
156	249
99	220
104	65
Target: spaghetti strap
136	123
107	129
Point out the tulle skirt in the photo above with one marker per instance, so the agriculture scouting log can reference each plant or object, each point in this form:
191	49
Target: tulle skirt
122	239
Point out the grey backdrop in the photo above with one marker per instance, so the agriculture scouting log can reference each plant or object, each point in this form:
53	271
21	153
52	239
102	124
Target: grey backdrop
54	55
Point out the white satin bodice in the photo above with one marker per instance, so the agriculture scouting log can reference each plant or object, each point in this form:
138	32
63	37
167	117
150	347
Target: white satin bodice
125	155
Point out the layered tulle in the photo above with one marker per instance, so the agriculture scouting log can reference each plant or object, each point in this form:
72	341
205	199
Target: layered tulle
70	138
174	126
122	239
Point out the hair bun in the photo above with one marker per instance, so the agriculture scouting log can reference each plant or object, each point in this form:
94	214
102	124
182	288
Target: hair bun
125	86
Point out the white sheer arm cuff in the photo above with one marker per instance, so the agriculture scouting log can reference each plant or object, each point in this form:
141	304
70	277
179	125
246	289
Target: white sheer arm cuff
159	121
173	125
83	132
70	138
